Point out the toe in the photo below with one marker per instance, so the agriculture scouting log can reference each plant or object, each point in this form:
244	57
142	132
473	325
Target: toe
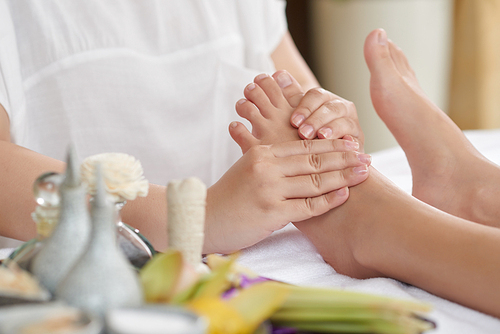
378	56
272	90
400	60
255	94
242	136
290	88
248	111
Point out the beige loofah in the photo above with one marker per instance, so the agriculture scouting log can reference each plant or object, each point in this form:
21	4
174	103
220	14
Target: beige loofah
186	219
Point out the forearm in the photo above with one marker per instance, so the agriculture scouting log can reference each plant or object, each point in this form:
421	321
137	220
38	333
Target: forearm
287	57
149	215
19	169
17	202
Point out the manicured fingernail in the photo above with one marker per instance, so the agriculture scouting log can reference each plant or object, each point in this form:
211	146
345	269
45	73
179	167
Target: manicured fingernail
298	119
351	145
233	125
365	158
342	192
251	86
348	137
241	101
361	170
261	76
284	80
307	131
325	133
382	37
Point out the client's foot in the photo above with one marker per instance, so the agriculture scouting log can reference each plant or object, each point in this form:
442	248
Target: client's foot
448	172
268	110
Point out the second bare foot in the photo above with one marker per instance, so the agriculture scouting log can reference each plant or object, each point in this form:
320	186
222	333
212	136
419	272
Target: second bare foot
448	172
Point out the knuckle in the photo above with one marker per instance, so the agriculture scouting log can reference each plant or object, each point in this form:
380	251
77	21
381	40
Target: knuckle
316	181
310	206
261	167
315	161
344	176
335	145
308	145
317	91
331	105
349	104
304	110
345	158
255	153
316	206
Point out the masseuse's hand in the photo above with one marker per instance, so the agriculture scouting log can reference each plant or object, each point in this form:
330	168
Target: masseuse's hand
272	185
320	113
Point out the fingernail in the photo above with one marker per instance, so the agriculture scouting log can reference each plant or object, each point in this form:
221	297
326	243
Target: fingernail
348	137
307	131
351	145
342	192
233	125
382	37
284	80
361	170
365	158
325	133
251	86
298	119
241	101
261	76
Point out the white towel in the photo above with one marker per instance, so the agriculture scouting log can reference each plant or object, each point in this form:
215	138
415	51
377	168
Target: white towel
5	252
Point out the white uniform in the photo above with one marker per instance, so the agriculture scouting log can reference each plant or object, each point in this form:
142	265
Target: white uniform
154	79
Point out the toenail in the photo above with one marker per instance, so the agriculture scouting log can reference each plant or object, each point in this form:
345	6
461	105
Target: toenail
307	131
325	132
261	76
298	119
284	80
365	158
382	37
241	101
360	170
251	86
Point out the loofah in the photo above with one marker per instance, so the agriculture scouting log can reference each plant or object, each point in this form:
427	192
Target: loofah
186	219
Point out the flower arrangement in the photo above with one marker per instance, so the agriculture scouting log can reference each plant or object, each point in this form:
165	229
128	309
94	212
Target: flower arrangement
123	174
235	300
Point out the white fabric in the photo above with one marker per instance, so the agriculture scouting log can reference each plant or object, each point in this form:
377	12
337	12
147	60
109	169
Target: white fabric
155	79
288	256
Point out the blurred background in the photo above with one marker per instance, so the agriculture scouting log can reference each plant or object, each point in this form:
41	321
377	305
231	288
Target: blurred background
453	46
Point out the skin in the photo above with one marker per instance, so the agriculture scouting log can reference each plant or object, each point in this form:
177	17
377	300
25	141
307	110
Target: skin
461	182
149	214
382	231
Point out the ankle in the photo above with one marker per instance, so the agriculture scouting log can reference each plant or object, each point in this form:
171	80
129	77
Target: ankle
482	200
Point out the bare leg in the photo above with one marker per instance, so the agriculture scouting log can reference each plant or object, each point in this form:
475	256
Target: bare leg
382	231
448	172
